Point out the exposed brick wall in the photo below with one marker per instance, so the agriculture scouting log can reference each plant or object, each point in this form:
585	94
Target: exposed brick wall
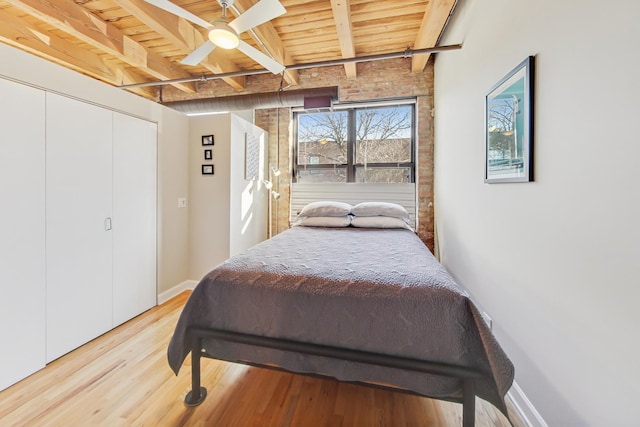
376	80
280	156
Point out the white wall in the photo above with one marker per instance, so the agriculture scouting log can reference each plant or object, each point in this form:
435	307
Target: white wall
554	262
209	195
173	183
227	212
172	148
249	211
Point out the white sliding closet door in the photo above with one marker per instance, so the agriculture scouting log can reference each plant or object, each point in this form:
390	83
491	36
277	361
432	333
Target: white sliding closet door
134	216
22	244
79	208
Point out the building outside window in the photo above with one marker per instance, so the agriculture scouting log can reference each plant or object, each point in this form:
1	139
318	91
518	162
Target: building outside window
358	143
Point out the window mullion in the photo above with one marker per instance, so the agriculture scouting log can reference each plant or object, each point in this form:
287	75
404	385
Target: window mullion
351	143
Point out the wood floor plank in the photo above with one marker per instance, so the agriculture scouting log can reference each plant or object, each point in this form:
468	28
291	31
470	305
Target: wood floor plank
123	379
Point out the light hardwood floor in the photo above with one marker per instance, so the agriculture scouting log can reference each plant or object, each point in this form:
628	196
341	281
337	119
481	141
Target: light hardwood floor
122	379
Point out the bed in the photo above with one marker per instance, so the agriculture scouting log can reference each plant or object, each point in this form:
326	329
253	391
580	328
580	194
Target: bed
362	301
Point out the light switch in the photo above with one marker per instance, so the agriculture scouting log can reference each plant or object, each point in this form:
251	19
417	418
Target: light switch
182	202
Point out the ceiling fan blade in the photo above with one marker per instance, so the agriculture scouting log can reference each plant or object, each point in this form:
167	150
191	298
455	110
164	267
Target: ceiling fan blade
270	64
177	10
261	12
198	55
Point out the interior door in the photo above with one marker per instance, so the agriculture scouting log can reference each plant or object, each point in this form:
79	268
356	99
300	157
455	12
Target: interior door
134	216
22	234
79	211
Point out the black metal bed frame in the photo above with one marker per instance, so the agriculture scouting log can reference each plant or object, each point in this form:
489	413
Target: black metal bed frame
195	335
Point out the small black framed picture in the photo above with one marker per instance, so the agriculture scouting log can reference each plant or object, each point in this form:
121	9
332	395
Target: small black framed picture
207	140
208	155
207	169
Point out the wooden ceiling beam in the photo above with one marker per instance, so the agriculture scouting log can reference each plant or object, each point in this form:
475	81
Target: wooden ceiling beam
268	36
80	23
183	35
342	16
435	17
19	33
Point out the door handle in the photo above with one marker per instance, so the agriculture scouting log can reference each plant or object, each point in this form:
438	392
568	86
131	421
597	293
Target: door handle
107	224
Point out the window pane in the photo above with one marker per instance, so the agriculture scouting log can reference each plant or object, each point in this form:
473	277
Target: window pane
383	175
322	175
384	135
322	138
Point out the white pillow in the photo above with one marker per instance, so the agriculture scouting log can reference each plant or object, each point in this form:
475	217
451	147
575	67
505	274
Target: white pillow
380	209
379	222
323	221
326	208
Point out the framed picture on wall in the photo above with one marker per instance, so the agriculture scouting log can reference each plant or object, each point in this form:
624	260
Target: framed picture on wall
208	155
509	126
252	156
207	140
207	169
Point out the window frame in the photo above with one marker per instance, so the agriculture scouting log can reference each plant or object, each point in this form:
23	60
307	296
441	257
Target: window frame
351	166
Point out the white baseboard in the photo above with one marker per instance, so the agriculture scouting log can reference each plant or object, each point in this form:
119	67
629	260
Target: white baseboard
525	408
181	287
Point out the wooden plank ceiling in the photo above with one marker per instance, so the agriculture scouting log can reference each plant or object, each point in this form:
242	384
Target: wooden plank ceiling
123	42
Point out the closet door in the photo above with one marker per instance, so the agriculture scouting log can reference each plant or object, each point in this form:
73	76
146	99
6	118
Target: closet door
22	234
134	216
79	240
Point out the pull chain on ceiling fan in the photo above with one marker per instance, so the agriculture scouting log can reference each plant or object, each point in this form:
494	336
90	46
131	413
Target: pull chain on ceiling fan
224	34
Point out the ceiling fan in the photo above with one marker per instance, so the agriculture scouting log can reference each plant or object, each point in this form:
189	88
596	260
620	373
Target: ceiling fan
226	35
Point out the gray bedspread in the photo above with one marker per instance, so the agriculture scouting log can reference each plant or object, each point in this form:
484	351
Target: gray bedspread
366	289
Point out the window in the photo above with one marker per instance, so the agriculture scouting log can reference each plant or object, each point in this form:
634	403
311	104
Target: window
373	143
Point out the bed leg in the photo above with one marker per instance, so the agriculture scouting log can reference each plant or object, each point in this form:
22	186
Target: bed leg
468	403
197	394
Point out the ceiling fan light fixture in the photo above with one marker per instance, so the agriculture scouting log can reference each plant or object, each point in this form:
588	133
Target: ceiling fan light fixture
222	35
